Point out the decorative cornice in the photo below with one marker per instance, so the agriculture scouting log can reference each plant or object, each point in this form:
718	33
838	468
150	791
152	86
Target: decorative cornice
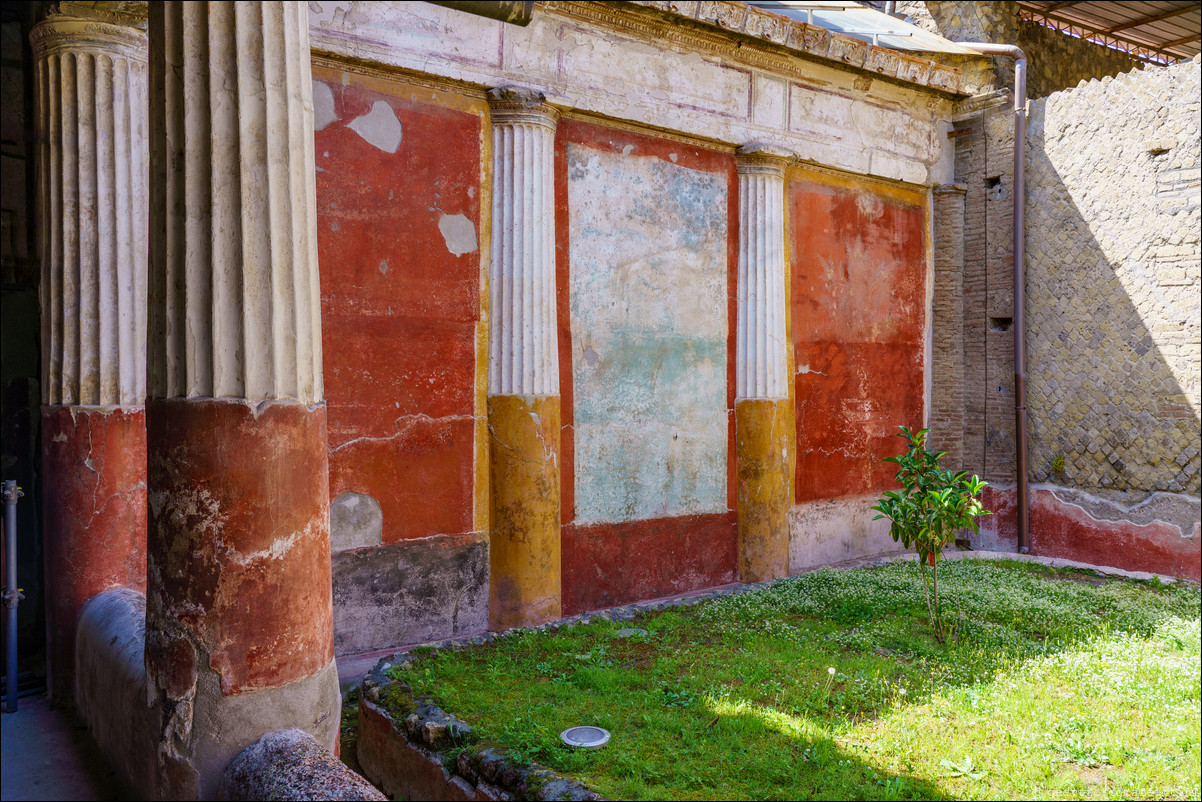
761	38
756	157
58	33
517	105
950	189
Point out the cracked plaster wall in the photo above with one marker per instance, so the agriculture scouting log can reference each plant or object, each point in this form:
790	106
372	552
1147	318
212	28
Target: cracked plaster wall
860	283
399	181
647	447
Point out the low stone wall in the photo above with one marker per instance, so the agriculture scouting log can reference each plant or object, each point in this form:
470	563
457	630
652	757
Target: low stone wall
1160	535
110	685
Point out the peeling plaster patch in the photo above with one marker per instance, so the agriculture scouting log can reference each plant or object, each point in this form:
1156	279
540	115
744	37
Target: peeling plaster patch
379	127
384	267
323	106
459	233
672	156
356	520
626	150
327	14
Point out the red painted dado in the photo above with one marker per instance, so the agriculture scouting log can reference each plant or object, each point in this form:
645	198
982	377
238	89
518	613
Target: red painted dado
238	542
94	519
858	318
399	309
1064	530
611	564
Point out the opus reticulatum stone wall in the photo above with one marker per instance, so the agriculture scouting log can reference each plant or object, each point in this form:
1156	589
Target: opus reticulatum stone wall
1112	332
1113	284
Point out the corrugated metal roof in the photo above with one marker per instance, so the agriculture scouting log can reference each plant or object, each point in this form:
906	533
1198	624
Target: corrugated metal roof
1158	30
868	24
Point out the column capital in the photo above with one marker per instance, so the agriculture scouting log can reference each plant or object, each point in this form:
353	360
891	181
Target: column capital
60	32
756	157
514	105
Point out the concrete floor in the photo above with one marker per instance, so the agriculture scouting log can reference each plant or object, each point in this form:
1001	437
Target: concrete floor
48	754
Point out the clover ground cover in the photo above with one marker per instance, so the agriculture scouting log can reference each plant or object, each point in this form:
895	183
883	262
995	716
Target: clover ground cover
830	685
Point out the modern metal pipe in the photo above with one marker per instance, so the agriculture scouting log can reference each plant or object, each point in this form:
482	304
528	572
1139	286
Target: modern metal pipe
514	12
1020	279
12	594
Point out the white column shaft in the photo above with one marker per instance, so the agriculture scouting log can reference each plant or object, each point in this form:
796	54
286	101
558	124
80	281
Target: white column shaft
90	81
235	305
523	351
761	364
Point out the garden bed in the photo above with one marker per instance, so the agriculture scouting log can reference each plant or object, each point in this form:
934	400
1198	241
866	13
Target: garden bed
831	685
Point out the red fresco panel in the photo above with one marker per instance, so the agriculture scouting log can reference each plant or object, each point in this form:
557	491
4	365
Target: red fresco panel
398	307
858	298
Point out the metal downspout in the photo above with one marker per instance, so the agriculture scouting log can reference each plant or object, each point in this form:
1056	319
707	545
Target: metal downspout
1020	258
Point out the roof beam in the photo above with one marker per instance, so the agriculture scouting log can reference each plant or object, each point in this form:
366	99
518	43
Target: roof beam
1183	40
1148	52
1135	23
1055	7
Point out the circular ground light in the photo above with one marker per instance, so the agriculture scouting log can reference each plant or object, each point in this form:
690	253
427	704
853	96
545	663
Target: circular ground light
585	737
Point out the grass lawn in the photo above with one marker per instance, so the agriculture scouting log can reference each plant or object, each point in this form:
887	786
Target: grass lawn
831	685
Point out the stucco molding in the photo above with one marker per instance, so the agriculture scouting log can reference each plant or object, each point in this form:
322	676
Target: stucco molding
761	358
759	158
91	87
523	354
234	302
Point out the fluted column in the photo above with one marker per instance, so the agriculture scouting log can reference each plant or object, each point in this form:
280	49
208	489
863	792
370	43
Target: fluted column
90	81
239	638
523	367
764	426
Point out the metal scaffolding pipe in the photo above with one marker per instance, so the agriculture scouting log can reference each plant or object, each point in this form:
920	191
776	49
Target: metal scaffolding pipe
12	594
1020	258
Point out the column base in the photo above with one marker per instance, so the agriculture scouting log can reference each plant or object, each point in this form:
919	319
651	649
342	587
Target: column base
763	439
524	550
94	519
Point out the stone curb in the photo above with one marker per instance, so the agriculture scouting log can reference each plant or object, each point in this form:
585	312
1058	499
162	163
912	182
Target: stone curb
402	757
